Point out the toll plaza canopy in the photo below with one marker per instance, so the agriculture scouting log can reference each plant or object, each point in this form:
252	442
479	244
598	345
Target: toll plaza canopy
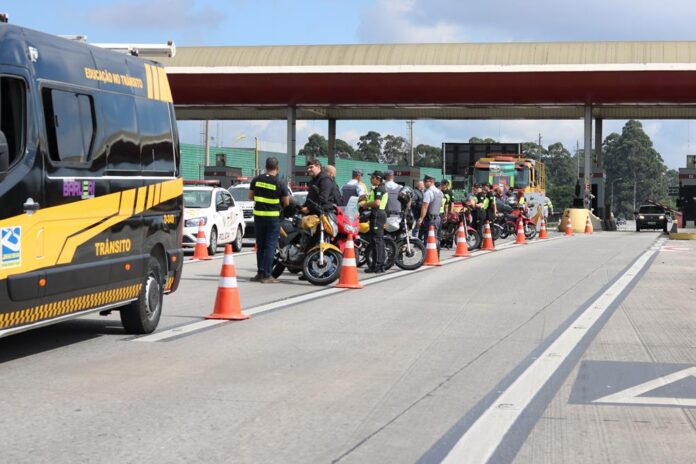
620	80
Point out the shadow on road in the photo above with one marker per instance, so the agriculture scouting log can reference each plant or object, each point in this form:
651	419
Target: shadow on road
56	336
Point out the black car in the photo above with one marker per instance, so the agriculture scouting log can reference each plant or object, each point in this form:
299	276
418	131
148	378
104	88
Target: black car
651	217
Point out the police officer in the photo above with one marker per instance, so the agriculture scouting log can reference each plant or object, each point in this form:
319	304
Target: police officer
393	189
416	203
489	205
354	187
377	201
268	193
430	210
447	197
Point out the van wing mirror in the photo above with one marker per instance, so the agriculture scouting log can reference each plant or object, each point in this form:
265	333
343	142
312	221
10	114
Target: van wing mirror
4	153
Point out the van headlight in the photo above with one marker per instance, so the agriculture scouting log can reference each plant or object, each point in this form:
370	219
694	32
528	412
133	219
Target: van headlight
195	222
641	217
662	217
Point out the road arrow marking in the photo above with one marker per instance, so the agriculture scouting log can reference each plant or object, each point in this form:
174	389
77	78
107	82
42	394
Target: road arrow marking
633	395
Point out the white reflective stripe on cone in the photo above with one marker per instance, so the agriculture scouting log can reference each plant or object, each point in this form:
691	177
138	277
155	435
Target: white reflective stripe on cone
431	246
201	240
228	260
228	282
461	240
431	233
348	262
349	244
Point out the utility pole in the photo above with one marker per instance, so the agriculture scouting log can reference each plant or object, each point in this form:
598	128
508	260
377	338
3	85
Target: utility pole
256	170
410	138
635	183
540	147
206	152
577	156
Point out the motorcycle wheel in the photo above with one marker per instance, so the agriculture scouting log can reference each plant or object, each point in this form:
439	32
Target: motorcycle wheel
495	231
390	248
509	230
414	259
278	267
325	274
360	253
473	239
529	231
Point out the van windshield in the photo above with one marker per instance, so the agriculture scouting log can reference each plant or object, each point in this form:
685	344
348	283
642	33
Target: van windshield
197	198
651	210
239	194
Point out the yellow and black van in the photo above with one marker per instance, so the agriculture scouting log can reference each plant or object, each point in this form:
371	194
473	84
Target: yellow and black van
90	192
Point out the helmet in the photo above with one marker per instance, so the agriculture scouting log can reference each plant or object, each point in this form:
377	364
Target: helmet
405	195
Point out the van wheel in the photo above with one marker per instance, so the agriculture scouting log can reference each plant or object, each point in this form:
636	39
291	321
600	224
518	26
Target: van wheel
142	315
212	248
237	244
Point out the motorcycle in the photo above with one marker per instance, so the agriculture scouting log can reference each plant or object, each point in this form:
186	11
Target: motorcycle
305	245
449	228
410	251
511	224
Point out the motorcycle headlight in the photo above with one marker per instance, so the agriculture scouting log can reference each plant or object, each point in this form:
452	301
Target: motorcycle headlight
195	222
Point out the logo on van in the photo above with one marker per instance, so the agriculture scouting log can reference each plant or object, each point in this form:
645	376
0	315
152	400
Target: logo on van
85	189
112	247
10	246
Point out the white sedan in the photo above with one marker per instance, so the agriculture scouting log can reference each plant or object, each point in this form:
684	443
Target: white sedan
223	220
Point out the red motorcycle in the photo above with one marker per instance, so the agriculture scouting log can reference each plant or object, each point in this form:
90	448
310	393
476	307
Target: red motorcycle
450	226
511	223
347	225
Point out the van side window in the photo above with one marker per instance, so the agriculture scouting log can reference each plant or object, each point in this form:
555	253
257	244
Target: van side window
157	146
70	125
13	115
121	133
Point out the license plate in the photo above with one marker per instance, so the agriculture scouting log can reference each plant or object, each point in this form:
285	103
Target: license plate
652	223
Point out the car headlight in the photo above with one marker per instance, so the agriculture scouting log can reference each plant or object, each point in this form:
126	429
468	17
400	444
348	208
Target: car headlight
641	217
662	217
195	222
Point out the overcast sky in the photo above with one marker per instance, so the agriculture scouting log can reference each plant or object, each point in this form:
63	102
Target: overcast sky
281	22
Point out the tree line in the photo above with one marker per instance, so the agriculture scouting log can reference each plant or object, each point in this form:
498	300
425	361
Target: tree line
635	171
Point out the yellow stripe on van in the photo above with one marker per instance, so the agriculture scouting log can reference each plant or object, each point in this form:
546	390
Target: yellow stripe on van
165	90
65	227
148	81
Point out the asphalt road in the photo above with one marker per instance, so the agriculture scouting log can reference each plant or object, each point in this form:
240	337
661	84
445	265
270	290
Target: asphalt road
538	346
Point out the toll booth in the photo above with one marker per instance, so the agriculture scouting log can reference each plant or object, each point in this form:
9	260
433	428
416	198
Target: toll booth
686	201
406	175
598	180
226	175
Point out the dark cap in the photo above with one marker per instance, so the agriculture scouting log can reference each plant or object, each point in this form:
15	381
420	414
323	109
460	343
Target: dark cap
444	181
377	174
388	173
428	178
357	172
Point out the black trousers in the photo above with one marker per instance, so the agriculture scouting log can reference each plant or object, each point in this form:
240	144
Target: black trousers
378	219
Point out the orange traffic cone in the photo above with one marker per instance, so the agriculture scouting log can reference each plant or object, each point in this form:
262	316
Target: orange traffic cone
349	269
256	247
462	248
431	257
569	228
588	226
487	237
542	232
520	239
227	305
201	249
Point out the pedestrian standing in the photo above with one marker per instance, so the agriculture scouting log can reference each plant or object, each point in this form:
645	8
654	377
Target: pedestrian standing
430	209
377	201
489	205
354	187
393	189
416	204
270	194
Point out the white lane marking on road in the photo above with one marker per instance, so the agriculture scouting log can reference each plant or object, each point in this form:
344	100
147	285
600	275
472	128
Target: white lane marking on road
178	331
480	441
633	395
215	258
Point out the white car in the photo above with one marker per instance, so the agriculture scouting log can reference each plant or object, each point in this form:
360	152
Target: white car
223	220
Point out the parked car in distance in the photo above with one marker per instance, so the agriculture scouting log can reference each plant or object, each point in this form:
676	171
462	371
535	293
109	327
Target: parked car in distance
651	217
222	217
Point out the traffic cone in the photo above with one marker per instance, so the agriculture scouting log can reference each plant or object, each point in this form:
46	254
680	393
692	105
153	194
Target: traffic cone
542	231
349	268
462	248
487	237
569	228
520	239
227	305
201	249
256	247
588	226
431	257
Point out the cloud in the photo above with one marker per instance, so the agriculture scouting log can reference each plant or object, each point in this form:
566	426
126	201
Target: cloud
396	21
157	14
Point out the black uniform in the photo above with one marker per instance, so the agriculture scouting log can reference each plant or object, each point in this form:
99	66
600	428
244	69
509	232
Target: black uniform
378	218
